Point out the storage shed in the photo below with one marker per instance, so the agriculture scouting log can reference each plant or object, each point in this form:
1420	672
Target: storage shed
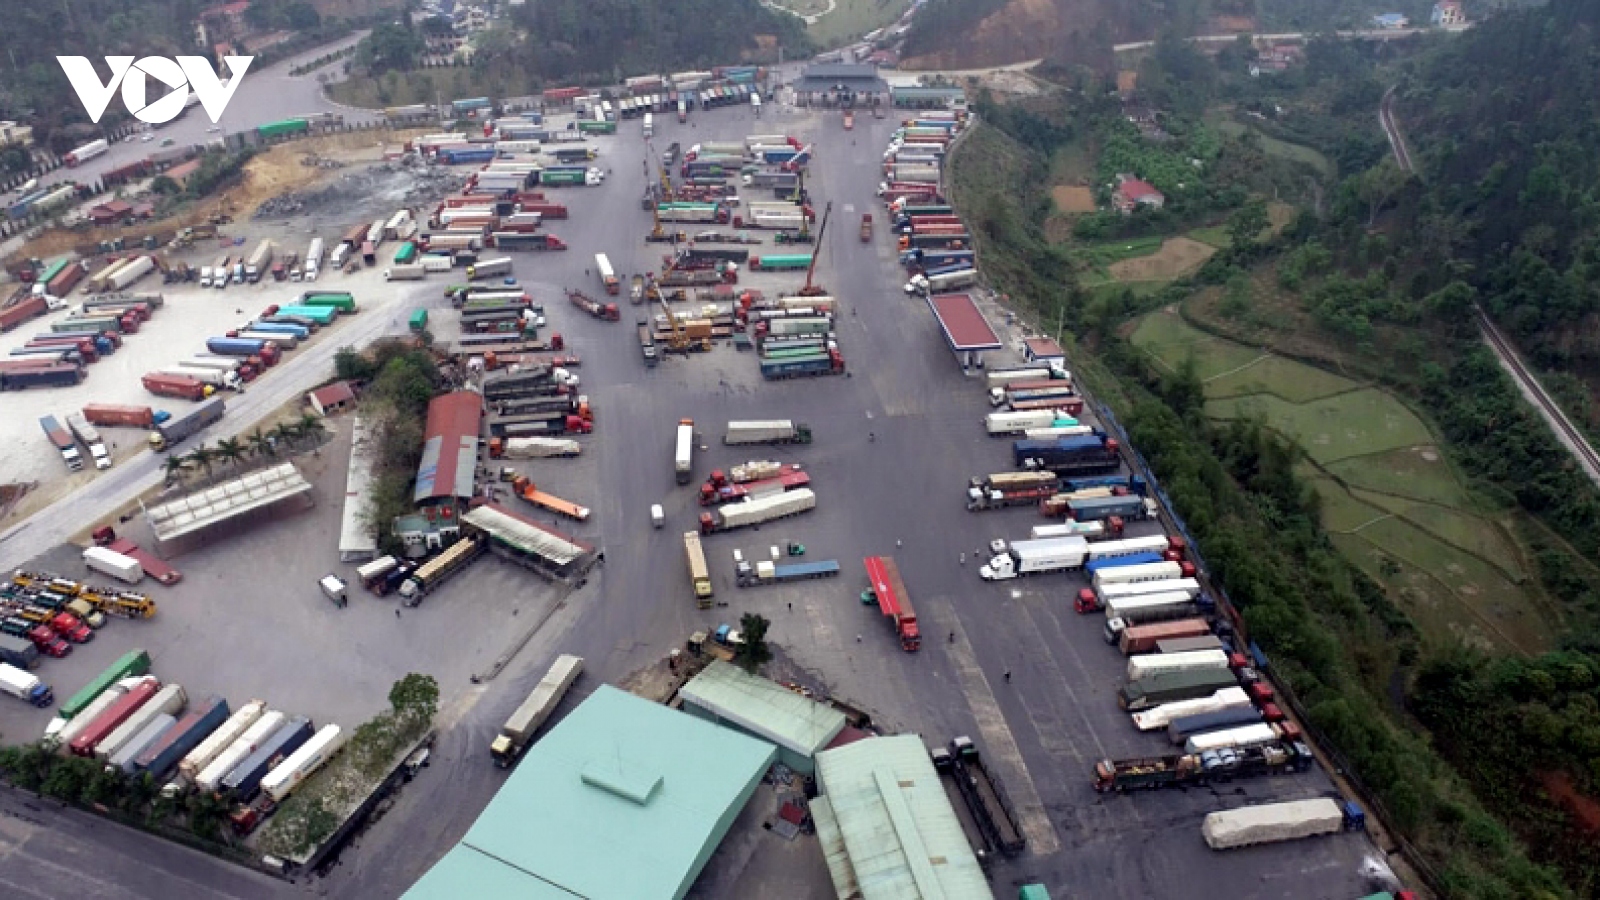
800	726
450	449
623	799
886	825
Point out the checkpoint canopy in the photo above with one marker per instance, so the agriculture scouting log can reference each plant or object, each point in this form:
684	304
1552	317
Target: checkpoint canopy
964	327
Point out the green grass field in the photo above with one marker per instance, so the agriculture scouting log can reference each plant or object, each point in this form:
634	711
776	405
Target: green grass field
1215	235
1389	500
850	19
1281	149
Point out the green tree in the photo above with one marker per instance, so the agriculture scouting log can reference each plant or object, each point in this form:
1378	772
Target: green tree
1379	185
754	652
260	445
175	466
415	699
1246	224
351	364
230	451
310	426
201	457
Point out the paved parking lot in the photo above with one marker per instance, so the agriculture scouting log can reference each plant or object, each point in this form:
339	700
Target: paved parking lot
901	494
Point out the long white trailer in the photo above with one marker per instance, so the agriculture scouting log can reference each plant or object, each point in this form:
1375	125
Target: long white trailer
1272	822
1163	715
1146	664
300	764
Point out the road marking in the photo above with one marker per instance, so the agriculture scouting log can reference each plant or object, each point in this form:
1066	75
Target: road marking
998	743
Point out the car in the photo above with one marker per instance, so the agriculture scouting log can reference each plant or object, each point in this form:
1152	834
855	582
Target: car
416	761
147	137
168	142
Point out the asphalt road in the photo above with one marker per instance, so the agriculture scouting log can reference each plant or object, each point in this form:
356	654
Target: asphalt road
48	852
898	495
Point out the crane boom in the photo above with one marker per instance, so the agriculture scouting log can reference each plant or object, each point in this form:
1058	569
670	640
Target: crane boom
813	290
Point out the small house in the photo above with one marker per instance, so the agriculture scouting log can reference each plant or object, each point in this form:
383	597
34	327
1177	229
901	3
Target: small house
1132	193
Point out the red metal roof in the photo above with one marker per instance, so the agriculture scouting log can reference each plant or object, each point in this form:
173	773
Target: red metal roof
963	323
1136	190
334	394
450	447
878	575
1044	348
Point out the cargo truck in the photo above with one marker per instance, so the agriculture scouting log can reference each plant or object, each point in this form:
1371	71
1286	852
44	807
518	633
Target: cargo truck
518	731
110	562
149	732
213	744
25	686
1160	717
18	652
647	343
888	591
1165	570
530	492
944	762
1004	423
1139	604
1034	557
605	312
259	259
777	431
768	572
63	441
408	272
757	510
608	276
1009	489
719	490
1181	728
173	431
210	778
106	414
186	733
1272	822
1072	456
245	778
533	448
101	726
683	452
437	570
986	796
490	268
153	565
289	773
1158	689
1148	665
1186	770
67	730
699	572
169	701
132	663
1143	638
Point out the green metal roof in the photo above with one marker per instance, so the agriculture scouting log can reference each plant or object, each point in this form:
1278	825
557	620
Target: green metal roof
624	799
902	837
764	707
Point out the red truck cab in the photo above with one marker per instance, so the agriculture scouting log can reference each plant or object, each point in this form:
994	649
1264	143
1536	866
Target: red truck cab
47	642
1087	601
72	628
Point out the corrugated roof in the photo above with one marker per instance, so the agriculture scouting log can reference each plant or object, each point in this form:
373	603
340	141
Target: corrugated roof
529	537
356	537
963	323
764	707
833	850
187	515
903	838
840	71
450	447
623	799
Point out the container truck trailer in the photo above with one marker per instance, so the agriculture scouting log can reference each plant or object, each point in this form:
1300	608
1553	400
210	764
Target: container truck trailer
777	431
1035	557
187	732
287	775
987	797
888	591
1160	717
518	731
1158	689
25	686
757	510
175	430
132	663
1273	822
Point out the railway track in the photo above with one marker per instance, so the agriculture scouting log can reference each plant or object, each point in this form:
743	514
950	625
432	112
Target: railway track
1547	407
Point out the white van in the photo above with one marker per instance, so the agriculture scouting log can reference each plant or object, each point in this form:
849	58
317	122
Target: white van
649	124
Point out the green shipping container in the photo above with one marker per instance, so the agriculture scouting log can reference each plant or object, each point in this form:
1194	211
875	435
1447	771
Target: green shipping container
561	177
321	315
341	302
592	127
52	271
406	253
796	261
419	320
134	662
287	126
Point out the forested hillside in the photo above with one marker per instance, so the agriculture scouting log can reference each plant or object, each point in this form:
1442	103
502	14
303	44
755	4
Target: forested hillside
607	39
1505	122
32	87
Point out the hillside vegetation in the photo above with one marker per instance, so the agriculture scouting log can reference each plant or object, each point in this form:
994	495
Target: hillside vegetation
1399	529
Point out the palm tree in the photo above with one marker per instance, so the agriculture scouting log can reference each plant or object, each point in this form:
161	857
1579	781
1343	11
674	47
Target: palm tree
259	445
310	426
230	450
175	466
202	457
285	433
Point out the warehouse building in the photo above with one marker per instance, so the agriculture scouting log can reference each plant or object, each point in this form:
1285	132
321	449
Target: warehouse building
449	467
886	825
917	97
624	799
727	695
841	84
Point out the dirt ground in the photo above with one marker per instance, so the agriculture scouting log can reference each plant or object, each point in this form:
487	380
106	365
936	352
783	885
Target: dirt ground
1073	198
270	174
1177	257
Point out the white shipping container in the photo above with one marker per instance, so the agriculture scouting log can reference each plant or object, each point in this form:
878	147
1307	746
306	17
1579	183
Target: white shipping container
211	776
1132	606
130	750
538	447
772	506
1129	546
1161	571
100	704
221	739
300	764
1162	716
1146	664
1067	529
1236	738
169	700
109	562
1018	422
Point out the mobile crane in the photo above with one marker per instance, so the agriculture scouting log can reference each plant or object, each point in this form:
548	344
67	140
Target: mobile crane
811	289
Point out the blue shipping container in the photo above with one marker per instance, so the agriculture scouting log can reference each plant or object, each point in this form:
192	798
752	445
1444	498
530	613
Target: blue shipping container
246	777
299	331
191	728
226	346
1132	559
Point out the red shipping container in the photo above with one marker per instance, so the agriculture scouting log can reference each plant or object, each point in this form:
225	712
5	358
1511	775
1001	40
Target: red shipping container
116	714
113	414
174	386
65	280
20	312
